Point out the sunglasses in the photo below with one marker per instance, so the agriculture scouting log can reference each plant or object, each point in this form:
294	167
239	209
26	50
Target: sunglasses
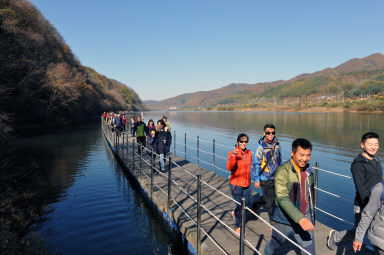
246	141
268	133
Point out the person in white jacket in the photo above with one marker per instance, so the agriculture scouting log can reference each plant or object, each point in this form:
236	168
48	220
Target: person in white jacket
372	217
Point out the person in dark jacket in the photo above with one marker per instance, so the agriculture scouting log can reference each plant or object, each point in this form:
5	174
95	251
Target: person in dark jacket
140	130
366	172
163	143
151	145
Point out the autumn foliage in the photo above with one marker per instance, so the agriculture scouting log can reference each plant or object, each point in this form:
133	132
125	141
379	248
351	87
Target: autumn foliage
41	81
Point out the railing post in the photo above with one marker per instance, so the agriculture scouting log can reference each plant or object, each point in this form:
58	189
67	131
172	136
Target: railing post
213	156
316	186
151	161
117	142
242	228
197	151
141	157
151	187
169	183
174	142
126	146
123	135
133	155
185	146
198	214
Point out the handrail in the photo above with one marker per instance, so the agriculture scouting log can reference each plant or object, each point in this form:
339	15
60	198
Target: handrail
223	194
231	147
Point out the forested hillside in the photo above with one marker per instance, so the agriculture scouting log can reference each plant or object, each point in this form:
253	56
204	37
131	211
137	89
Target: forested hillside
357	84
42	82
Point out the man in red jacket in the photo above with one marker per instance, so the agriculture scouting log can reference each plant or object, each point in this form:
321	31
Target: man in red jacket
239	163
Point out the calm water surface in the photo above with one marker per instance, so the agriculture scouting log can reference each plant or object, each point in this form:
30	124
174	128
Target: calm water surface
97	211
335	137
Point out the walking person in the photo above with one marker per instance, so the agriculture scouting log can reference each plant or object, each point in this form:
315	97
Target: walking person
117	123
167	124
151	145
366	172
293	213
132	121
140	131
124	122
163	143
239	163
372	217
151	125
267	159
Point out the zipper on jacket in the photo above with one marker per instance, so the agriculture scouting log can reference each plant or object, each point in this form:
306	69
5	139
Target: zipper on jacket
311	207
245	167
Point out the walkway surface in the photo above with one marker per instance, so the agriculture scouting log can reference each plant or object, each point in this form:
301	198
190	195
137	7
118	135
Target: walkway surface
257	232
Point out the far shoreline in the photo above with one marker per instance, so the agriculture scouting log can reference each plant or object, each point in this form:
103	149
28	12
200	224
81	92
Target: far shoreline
317	109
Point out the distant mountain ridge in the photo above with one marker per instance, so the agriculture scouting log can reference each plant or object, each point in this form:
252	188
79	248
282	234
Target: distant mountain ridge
355	76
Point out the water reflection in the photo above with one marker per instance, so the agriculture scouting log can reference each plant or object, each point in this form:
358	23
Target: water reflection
95	210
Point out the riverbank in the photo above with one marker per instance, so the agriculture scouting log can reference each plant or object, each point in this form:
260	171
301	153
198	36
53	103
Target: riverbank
323	109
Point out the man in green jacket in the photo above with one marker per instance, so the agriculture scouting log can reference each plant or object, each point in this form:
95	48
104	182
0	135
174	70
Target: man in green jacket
293	212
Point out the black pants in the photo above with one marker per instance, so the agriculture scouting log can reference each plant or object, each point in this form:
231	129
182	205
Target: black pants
268	188
142	140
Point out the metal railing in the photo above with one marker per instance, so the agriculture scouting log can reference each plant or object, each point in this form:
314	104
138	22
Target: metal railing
116	137
219	157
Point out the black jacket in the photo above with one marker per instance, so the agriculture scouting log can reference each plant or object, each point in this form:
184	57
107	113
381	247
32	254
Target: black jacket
151	144
163	142
366	174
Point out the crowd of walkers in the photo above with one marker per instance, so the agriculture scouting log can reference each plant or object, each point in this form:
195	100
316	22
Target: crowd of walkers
288	190
157	139
288	187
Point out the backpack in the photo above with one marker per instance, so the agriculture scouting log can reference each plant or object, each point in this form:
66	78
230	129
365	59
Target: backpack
140	130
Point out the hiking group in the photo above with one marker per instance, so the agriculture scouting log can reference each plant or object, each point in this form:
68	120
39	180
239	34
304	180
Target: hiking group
288	190
287	187
157	139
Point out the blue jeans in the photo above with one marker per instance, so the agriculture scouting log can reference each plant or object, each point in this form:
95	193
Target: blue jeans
303	238
237	193
163	158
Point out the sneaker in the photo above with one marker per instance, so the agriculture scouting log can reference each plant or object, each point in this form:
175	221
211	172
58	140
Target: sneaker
238	231
233	214
331	241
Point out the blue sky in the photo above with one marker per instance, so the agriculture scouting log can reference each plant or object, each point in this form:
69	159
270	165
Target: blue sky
163	48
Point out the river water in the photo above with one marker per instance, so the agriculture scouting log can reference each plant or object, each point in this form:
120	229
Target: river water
335	137
99	211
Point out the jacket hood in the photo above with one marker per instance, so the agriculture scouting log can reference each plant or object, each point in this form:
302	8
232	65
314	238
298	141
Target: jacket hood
361	158
308	168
